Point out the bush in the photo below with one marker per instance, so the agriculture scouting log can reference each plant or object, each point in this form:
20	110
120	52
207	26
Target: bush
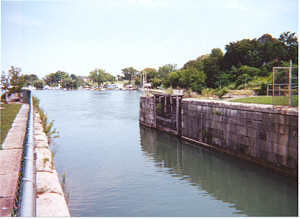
262	90
207	92
220	92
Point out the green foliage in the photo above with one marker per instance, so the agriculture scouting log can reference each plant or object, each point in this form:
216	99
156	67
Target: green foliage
129	73
186	78
155	82
165	70
16	81
54	79
207	92
158	107
30	79
47	126
39	84
220	92
99	76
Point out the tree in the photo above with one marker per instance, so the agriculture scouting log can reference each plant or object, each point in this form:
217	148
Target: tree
29	79
119	78
212	67
290	43
55	79
99	76
150	73
155	82
16	81
129	73
165	70
68	83
39	84
186	78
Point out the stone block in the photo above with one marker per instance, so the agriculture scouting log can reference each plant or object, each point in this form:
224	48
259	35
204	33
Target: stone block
41	144
40	138
271	157
282	150
293	121
52	205
242	130
43	162
48	182
251	132
192	107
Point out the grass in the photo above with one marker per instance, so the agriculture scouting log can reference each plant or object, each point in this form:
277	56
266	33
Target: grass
8	114
279	100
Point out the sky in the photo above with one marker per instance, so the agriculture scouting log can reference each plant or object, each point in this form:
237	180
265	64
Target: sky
78	36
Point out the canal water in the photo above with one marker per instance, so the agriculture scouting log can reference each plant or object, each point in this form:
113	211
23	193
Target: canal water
114	167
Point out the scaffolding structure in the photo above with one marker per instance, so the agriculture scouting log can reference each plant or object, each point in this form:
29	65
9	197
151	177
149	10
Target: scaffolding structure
284	89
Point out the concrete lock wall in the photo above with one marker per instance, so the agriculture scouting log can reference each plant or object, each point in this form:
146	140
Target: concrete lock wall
264	134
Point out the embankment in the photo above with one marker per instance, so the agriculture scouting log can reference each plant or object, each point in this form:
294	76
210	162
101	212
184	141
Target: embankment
50	196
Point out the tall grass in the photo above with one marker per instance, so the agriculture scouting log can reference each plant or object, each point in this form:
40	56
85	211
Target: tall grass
47	126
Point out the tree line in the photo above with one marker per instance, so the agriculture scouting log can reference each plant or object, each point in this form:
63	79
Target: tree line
244	61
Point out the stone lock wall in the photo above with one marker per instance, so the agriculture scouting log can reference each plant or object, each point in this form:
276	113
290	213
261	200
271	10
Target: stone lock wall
147	111
262	133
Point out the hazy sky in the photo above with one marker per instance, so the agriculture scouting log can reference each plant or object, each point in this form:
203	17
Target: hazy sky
78	36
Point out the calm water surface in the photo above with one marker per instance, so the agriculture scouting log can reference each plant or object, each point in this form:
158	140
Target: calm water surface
114	167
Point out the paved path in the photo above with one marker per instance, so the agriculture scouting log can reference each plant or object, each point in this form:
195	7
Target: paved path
10	162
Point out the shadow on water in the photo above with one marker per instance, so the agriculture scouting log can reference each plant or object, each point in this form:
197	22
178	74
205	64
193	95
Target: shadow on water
251	189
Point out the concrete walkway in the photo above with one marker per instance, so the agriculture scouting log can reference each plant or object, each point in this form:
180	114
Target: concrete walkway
10	162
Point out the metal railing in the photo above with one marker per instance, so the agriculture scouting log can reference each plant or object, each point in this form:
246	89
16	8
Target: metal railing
27	198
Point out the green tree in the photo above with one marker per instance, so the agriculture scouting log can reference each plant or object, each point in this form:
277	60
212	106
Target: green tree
16	80
290	43
29	79
155	82
129	73
165	70
99	76
55	79
39	84
212	67
186	78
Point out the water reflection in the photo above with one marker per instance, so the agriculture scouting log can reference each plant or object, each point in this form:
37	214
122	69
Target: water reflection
250	189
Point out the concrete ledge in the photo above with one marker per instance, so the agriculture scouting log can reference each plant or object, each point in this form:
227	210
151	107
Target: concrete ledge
52	204
285	110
